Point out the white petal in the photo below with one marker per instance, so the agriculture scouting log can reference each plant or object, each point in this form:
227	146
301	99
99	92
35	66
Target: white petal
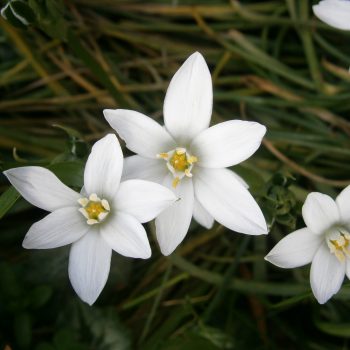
126	236
296	249
343	203
240	179
335	13
189	99
173	223
142	134
104	167
319	212
228	201
227	143
137	167
327	274
61	227
143	199
41	187
347	268
89	264
202	216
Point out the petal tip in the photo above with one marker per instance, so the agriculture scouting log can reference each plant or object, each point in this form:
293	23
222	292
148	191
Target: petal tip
25	244
88	299
147	256
166	251
107	113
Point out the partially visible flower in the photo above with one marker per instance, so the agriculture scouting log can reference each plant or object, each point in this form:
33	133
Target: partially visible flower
190	158
106	215
335	13
325	241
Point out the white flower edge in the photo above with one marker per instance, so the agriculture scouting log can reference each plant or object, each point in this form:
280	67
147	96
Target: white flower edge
324	243
187	113
336	13
92	245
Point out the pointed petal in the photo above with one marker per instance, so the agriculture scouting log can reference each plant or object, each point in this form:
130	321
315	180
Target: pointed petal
326	275
173	223
334	12
240	179
343	203
41	187
104	167
137	167
89	264
202	216
319	212
189	99
61	227
126	236
296	249
228	201
228	143
144	200
142	134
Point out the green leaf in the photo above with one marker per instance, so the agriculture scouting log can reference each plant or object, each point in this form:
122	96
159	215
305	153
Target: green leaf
50	17
23	329
8	14
7	200
23	10
70	173
189	341
44	346
341	330
104	326
9	286
39	296
66	339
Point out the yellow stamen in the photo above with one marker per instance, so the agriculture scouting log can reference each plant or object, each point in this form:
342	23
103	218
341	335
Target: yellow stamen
340	247
192	159
163	155
176	182
94	209
188	173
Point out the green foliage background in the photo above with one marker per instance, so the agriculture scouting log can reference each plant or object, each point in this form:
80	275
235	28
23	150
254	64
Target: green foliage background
272	62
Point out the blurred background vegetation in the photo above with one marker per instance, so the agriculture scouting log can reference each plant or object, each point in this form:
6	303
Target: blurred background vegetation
62	63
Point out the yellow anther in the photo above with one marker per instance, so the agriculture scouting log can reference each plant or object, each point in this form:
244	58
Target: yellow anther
340	247
176	182
188	173
192	159
163	155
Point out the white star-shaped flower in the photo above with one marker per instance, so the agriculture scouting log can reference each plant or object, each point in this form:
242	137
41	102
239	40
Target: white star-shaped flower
190	158
324	242
106	215
335	13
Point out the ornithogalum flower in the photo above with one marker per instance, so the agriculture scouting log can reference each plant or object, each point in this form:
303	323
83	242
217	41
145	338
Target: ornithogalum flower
106	215
190	158
324	242
335	13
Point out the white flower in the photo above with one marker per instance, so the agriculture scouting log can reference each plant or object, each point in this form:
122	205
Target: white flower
190	158
106	215
324	242
335	13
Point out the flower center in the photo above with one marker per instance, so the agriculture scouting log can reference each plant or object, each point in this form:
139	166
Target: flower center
338	240
94	209
179	162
